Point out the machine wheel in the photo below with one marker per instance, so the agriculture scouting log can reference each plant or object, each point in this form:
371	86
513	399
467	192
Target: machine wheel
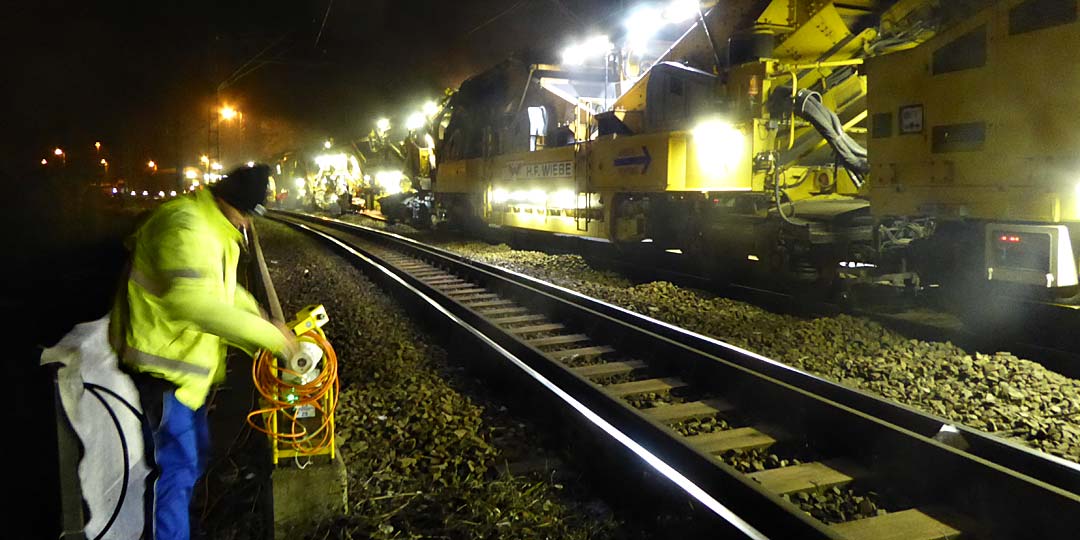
1068	296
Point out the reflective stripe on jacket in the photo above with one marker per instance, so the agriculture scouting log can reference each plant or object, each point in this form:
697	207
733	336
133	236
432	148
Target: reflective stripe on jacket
183	302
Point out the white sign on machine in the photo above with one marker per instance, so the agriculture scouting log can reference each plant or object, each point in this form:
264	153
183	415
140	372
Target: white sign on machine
520	170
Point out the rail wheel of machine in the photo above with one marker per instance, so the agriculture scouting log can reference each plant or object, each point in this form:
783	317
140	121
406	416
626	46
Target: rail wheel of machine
1069	296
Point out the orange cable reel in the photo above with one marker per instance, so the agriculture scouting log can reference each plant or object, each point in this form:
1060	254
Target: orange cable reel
305	386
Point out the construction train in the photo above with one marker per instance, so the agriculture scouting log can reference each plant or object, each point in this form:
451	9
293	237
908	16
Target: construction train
910	143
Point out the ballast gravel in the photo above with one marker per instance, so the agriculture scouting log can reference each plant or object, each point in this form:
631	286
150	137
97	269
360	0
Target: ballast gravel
999	393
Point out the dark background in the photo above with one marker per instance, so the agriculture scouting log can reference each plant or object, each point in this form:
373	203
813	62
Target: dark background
141	77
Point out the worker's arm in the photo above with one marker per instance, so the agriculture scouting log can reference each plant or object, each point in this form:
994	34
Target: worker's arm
190	295
246	301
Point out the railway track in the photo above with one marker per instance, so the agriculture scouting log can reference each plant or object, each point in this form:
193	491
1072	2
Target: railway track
687	406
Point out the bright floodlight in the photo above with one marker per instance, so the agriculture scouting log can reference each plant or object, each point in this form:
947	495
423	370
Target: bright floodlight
679	11
172	193
103	162
228	113
383	124
151	164
389	181
563	199
594	47
572	56
415	121
251	164
191	174
205	159
430	109
44	161
327	144
97	145
215	166
58	152
299	183
720	147
642	25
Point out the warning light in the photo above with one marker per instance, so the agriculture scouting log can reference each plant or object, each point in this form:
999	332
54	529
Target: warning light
1009	238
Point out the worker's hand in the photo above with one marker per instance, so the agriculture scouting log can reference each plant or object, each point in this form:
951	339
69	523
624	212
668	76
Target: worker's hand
292	346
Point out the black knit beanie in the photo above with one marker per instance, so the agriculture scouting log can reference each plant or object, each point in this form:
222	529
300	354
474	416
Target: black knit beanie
244	188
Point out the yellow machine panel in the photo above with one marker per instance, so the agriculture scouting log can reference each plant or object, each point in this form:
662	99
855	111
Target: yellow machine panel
459	176
952	137
671	161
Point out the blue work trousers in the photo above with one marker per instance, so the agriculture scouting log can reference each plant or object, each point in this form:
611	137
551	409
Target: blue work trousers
181	444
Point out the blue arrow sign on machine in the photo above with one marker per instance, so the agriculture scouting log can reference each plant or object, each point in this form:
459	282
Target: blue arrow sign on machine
644	160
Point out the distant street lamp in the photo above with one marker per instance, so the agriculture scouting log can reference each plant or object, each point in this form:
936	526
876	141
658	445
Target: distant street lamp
151	165
228	113
224	113
327	144
97	146
105	163
60	154
44	161
383	125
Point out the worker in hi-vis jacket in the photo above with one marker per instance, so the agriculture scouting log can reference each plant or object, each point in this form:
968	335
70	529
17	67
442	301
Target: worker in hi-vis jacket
172	321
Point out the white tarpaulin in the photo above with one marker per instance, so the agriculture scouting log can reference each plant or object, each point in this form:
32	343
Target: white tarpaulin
86	357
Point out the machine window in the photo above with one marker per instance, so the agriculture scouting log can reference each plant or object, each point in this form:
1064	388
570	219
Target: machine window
537	127
881	126
1035	15
958	138
1024	251
965	52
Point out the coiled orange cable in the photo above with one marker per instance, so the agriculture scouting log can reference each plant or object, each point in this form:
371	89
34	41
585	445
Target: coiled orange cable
274	389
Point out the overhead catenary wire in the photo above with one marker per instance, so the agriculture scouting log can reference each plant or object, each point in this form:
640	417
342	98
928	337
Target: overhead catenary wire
496	17
323	25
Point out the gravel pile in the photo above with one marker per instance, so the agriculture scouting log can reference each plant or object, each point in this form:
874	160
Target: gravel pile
423	456
837	505
999	393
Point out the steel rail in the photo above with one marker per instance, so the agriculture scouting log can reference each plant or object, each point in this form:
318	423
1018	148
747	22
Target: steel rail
1000	489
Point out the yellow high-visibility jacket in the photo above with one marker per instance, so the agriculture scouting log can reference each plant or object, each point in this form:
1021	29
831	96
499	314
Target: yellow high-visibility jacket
183	304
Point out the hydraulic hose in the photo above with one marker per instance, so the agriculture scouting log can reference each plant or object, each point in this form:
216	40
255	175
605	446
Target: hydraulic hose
780	201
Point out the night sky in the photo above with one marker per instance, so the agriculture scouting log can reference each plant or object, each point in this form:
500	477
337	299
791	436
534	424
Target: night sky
141	76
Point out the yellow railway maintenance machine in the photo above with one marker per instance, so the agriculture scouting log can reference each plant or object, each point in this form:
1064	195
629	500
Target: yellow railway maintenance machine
976	130
906	142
